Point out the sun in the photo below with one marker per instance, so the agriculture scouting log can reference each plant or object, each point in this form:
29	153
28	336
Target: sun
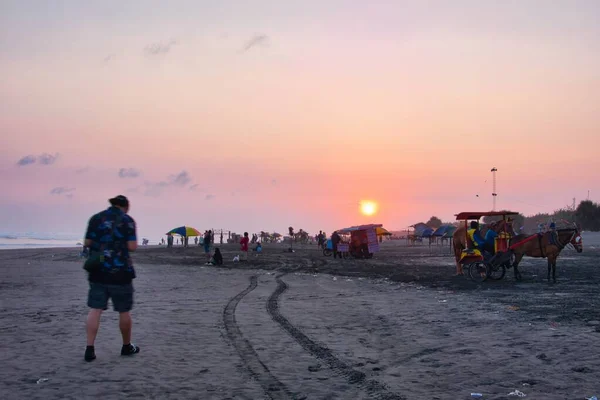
368	207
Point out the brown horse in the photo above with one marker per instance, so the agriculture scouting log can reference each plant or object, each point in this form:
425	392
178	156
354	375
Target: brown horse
459	238
546	247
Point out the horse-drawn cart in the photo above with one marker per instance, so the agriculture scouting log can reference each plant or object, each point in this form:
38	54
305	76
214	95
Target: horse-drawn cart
491	262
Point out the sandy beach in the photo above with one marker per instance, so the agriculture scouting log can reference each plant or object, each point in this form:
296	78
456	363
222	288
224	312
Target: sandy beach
304	326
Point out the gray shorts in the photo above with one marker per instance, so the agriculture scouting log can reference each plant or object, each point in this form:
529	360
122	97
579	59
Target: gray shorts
121	296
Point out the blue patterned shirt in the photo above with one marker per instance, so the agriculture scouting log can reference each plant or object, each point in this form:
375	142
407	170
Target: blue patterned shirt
109	231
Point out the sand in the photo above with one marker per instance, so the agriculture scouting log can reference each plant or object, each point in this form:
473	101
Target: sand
303	326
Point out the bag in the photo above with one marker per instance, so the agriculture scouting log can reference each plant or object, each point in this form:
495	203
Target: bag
94	263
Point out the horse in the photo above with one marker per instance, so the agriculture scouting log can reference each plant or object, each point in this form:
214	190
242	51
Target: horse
546	247
459	238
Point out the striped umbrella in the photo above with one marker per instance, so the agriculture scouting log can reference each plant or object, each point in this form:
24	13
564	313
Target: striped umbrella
184	231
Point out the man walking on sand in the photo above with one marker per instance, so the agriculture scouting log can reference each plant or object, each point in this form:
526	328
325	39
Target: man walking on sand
207	242
244	246
111	234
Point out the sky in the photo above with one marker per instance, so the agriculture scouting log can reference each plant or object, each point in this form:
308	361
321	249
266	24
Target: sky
259	115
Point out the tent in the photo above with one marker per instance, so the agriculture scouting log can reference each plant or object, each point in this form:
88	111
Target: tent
381	231
360	228
444	231
427	233
420	228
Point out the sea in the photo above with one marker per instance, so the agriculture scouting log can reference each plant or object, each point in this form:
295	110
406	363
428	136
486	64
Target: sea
38	240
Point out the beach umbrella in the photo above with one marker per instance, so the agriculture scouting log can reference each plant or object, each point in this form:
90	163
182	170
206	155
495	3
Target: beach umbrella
382	231
184	231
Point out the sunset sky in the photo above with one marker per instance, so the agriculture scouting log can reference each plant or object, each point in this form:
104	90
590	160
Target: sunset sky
258	115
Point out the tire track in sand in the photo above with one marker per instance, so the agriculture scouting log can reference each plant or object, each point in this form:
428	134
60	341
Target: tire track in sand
272	387
376	390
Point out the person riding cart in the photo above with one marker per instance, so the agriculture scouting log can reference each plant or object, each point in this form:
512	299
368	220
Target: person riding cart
490	239
476	242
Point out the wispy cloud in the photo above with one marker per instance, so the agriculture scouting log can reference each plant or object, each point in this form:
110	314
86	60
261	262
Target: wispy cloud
274	182
62	190
43	159
209	197
156	49
196	188
181	179
47	159
27	160
254	41
154	189
109	57
129	173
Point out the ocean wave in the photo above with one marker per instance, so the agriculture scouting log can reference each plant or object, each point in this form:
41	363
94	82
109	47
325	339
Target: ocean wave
38	236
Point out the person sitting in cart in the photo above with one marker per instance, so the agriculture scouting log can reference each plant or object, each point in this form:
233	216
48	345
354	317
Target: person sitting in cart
475	236
490	239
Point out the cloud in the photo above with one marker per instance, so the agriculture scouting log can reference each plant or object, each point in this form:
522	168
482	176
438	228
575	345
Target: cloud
156	49
181	179
62	190
129	173
44	159
256	40
154	189
274	182
109	57
47	159
209	197
196	188
30	159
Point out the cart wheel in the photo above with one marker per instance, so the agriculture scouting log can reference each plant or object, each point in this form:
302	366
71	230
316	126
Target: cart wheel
478	271
497	273
327	252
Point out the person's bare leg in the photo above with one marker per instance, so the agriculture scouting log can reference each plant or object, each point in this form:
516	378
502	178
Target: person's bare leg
92	325
125	326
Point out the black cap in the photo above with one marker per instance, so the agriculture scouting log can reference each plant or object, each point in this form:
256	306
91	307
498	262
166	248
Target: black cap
120	201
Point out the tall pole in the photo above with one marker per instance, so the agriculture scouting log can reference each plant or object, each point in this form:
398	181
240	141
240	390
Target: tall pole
494	194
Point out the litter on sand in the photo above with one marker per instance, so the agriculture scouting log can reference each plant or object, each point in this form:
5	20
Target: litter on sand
517	393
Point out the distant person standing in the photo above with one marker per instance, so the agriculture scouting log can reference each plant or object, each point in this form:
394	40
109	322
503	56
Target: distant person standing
335	240
244	246
207	242
111	235
320	239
